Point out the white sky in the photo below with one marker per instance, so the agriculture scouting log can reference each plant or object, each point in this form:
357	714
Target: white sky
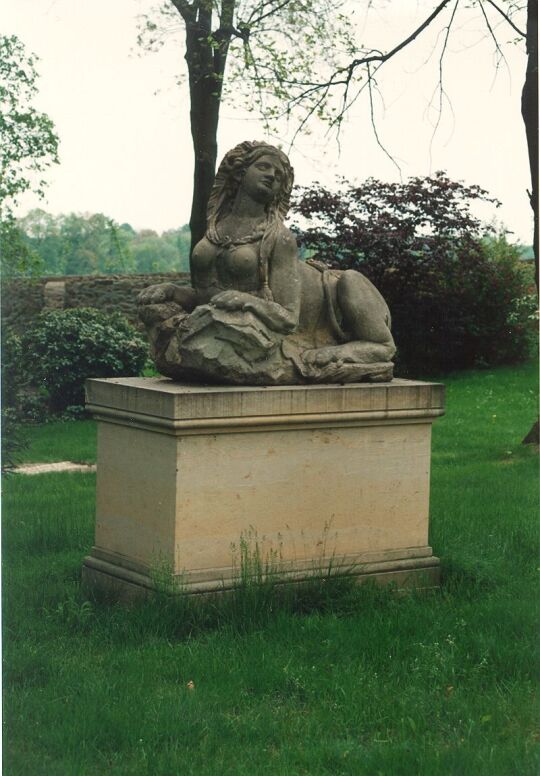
126	151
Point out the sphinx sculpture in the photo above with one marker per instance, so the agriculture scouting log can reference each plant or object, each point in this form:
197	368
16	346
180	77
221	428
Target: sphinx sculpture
255	314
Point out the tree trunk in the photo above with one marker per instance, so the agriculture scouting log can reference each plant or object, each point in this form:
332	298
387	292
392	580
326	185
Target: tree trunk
206	57
533	437
205	67
529	111
204	118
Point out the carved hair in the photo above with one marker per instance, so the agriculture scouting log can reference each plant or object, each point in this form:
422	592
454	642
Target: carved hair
229	176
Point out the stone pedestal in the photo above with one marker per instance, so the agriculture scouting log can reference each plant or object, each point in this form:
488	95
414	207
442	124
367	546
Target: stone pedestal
302	477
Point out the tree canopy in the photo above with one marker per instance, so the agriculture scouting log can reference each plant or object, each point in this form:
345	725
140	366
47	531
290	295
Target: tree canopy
92	243
301	60
29	146
265	42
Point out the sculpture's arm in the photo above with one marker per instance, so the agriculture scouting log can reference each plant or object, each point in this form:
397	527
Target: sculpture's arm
204	291
204	277
167	292
281	314
204	282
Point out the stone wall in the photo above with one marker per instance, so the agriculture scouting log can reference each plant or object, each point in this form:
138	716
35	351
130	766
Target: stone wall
24	298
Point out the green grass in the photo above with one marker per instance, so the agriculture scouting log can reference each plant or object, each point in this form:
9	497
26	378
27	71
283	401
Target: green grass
61	441
331	679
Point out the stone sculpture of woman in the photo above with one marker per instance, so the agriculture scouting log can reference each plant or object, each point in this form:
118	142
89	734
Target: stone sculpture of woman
255	314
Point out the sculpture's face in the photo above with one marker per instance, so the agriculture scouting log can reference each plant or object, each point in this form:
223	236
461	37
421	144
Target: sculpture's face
263	178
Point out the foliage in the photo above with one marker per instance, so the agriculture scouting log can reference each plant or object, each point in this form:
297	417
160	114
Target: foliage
29	146
13	374
273	43
93	244
66	347
29	143
18	405
306	60
273	49
14	439
358	69
16	258
85	244
166	253
457	298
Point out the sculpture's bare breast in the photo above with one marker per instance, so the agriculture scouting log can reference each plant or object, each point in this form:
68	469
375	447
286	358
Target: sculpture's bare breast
236	266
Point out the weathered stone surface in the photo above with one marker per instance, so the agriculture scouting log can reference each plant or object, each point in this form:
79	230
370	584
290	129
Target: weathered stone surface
54	294
308	476
235	345
221	346
24	298
22	302
255	314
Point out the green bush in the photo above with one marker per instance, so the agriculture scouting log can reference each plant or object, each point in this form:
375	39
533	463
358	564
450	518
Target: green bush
13	374
15	402
65	347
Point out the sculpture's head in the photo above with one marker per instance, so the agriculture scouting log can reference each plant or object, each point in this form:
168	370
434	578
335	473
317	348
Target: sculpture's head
233	170
247	165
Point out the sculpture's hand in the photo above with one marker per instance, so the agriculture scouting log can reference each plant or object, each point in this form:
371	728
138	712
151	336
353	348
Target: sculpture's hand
272	314
231	300
163	292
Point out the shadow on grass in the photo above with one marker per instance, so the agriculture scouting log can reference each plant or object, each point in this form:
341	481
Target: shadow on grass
248	607
460	580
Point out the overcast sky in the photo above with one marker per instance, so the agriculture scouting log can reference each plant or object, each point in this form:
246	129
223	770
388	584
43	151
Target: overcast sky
124	123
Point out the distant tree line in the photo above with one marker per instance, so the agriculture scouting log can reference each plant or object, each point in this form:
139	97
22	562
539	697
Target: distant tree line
93	244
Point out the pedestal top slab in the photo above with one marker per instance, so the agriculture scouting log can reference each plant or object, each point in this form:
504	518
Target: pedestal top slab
171	403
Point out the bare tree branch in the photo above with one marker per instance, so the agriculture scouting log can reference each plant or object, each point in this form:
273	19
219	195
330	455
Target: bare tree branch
505	15
373	124
384	57
375	56
440	87
499	51
258	81
362	88
309	113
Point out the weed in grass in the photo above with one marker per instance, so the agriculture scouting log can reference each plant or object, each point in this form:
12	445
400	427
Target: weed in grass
74	614
164	581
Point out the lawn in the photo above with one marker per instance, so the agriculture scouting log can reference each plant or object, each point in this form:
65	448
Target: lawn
61	441
334	679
